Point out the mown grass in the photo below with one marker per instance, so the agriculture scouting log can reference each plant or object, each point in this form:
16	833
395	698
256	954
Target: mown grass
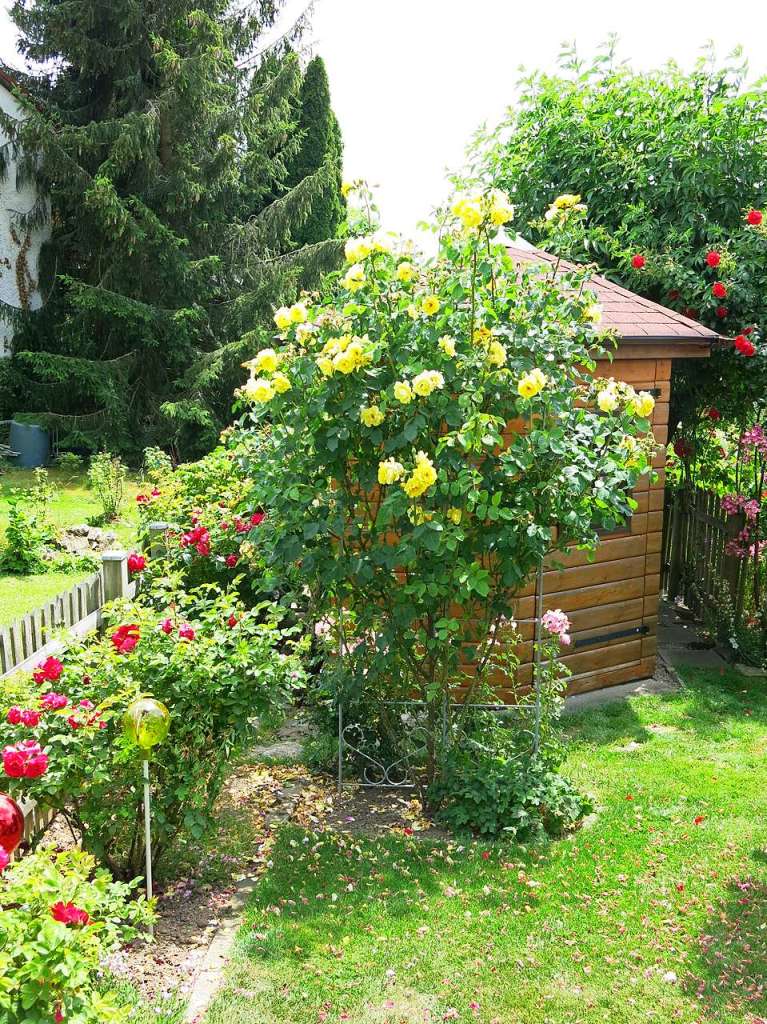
74	503
656	911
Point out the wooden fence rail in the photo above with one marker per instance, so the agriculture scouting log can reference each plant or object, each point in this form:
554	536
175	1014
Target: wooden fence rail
696	562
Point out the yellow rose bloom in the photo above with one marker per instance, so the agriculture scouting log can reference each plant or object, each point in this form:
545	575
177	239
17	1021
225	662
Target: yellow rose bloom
496	354
531	384
430	305
298	313
325	366
346	188
468	210
607	400
357	249
644	403
266	360
454	515
282	318
371	415
428	381
390	471
405	272
422	477
258	390
592	313
447	344
280	383
501	210
355	277
403	392
345	362
566	201
482	335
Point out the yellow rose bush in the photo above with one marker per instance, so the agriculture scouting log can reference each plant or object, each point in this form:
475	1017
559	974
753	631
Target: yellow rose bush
396	487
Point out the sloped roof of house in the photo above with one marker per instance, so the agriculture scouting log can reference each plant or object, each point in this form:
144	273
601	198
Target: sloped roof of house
633	317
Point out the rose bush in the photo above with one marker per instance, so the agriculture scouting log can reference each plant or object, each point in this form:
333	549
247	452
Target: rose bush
433	434
216	665
60	918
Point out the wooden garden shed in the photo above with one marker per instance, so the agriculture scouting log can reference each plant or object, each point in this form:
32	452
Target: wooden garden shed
612	599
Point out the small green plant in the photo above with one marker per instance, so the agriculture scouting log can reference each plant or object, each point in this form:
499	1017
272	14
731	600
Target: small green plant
156	465
30	528
106	476
60	919
70	462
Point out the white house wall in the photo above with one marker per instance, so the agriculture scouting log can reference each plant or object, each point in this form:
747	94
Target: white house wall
15	200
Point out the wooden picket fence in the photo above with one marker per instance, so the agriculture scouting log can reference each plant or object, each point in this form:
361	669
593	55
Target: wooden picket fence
77	611
695	564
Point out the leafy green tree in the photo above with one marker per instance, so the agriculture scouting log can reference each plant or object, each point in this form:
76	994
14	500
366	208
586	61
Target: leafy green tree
321	145
161	147
669	165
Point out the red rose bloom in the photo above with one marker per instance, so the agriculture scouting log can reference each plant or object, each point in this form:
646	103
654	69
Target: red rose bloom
68	913
25	760
166	626
721	312
713	258
682	448
257	518
30	718
748	330
231	621
673	294
638	261
136	563
141	499
14	716
718	290
754	217
125	638
744	346
58	1015
155	492
186	632
48	671
231	561
240	525
13	763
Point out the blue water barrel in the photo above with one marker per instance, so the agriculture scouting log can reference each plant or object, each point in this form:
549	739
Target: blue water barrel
32	443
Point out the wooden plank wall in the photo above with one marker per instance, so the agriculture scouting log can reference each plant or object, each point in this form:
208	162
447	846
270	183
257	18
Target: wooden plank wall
618	589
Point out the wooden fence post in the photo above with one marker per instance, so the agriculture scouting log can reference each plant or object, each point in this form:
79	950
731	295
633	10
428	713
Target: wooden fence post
157	546
114	567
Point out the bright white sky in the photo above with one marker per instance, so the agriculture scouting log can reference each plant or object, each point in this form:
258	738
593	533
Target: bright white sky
412	79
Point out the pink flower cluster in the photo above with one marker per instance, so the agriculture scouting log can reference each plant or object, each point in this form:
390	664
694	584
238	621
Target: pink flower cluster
558	624
185	631
734	503
756	438
25	760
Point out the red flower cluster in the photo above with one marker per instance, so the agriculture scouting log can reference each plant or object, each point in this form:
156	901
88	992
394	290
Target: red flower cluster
718	290
77	721
638	261
145	499
136	563
745	346
754	217
25	760
126	637
48	671
68	913
713	258
682	448
198	538
186	632
27	717
714	414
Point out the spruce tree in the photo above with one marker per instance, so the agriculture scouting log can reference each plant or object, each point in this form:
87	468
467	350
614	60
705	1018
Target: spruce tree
321	145
163	150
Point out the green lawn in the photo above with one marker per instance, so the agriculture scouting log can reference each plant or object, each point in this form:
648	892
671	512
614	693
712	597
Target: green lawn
74	503
657	911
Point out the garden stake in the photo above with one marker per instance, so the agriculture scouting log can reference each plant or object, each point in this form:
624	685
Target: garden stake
148	838
537	666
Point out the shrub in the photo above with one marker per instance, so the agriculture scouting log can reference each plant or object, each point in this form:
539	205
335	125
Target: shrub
70	462
213	664
397	490
30	528
60	917
106	477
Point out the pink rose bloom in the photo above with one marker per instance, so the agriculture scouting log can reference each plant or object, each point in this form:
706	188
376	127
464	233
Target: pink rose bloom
186	632
166	626
13	763
14	716
556	622
136	563
87	704
53	701
231	561
565	639
30	718
48	671
36	766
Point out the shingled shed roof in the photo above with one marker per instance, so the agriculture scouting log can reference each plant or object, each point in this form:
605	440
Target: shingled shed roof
633	317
